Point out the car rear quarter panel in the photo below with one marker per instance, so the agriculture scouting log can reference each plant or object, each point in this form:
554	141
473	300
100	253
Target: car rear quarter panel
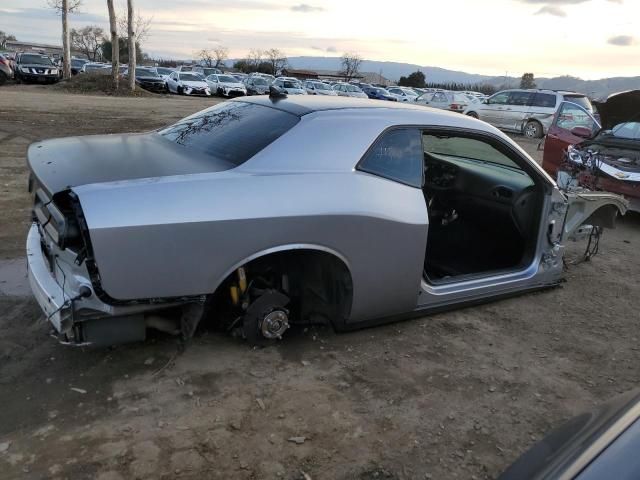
179	236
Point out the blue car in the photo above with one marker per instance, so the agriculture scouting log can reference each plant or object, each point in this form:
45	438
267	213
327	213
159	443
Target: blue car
377	93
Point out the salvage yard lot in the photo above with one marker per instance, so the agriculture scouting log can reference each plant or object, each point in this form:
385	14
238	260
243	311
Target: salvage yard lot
454	395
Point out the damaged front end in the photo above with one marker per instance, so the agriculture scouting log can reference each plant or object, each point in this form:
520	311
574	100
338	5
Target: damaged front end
598	168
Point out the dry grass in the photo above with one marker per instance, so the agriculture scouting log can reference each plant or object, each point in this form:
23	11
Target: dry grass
99	84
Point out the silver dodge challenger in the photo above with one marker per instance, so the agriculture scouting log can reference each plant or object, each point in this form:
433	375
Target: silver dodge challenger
263	212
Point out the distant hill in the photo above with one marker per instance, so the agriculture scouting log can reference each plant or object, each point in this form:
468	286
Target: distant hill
394	70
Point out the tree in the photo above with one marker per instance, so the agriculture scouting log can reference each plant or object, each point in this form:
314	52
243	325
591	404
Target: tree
114	55
132	46
122	53
64	8
415	79
254	59
220	54
4	38
277	60
88	40
527	81
350	65
206	56
141	25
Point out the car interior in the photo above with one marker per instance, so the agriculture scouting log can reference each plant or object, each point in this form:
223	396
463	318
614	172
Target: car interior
484	209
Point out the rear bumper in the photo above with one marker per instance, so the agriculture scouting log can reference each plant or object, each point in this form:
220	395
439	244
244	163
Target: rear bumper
81	321
46	290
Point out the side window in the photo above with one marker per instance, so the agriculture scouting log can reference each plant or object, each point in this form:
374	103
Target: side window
520	98
398	156
499	98
453	147
545	100
571	116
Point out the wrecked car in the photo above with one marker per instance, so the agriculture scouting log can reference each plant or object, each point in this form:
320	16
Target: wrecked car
262	212
601	155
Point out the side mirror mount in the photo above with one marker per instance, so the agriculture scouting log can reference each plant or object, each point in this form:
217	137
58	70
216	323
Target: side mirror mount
275	93
582	132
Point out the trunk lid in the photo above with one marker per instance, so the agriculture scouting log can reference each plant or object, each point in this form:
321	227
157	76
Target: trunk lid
63	163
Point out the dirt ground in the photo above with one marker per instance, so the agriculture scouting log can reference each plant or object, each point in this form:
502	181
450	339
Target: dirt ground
454	395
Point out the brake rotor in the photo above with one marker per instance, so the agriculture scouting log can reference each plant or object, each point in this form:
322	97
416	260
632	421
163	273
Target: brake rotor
274	324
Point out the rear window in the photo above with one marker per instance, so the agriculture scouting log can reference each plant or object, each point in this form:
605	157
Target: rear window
397	155
580	100
545	100
231	131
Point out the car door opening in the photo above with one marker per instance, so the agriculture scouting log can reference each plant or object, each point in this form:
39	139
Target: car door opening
484	209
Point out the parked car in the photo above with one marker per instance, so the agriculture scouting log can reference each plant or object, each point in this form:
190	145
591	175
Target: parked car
186	83
315	87
226	85
257	85
33	67
100	68
603	156
452	101
378	93
206	71
149	79
404	94
529	112
164	72
76	65
266	76
348	90
289	85
597	445
241	77
6	72
228	209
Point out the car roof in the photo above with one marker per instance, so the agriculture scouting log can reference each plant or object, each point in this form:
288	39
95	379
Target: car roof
304	104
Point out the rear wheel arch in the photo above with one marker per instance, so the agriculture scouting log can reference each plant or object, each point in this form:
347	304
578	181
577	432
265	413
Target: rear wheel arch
318	281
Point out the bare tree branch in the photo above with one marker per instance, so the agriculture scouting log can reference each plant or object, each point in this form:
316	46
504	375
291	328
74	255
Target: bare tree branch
88	40
277	59
220	54
141	26
350	65
207	56
73	6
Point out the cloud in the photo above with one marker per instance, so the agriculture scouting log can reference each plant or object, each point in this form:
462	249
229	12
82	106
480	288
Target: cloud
551	10
332	49
306	8
622	41
555	2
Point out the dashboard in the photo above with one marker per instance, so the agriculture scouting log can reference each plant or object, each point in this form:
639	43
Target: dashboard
474	178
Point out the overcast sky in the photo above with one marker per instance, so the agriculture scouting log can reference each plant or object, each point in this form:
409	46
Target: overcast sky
586	38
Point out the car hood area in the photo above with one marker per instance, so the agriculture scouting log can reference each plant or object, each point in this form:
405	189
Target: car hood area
63	163
619	108
194	83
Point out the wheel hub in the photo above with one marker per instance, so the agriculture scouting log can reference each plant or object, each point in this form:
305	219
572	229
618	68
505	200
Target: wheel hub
274	324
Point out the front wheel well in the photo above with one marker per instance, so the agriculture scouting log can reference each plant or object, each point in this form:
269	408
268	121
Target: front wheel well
318	284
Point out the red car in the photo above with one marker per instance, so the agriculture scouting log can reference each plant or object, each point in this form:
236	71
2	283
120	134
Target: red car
601	155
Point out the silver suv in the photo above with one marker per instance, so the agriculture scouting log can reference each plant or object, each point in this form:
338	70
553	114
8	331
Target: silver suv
529	112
